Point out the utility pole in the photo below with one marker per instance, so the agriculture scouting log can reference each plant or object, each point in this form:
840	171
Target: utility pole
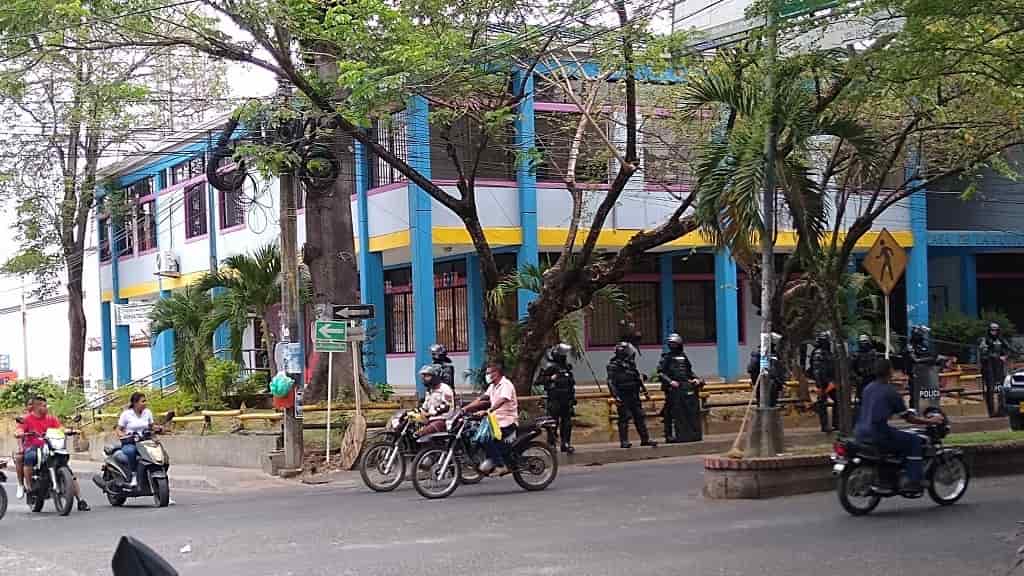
766	430
290	302
24	330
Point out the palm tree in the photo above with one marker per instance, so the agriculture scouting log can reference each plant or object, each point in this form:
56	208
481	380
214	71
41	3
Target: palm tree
190	314
250	285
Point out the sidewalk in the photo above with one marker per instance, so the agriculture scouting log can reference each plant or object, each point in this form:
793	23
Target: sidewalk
197	478
610	452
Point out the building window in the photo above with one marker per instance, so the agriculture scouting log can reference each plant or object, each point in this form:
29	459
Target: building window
398	318
124	238
390	134
104	224
145	225
195	195
450	305
604	320
232	210
142	224
695	310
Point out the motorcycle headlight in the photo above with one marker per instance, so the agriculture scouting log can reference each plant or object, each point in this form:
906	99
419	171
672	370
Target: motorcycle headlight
394	423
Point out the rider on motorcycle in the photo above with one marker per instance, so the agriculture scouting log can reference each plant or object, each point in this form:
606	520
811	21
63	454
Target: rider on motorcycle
33	428
882	400
134	421
439	401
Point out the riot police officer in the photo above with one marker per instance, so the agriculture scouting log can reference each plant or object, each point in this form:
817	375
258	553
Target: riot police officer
626	385
560	385
443	364
922	366
993	351
862	364
822	369
681	414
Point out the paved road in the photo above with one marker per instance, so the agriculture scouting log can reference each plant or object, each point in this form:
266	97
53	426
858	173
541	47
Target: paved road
635	519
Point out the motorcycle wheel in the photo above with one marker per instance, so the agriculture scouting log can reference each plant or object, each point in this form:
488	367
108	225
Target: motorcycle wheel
429	480
372	463
63	498
3	501
854	490
948	480
537	467
161	492
1016	420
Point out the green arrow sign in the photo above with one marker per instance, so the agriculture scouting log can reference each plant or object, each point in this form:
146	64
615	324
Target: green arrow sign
326	330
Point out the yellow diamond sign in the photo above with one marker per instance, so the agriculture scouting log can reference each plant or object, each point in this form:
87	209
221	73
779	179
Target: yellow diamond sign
886	261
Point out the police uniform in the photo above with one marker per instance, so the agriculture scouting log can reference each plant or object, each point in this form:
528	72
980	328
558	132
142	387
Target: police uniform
560	385
822	369
681	414
626	385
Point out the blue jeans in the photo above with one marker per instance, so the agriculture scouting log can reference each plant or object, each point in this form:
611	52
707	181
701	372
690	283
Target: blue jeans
132	454
496	449
907	445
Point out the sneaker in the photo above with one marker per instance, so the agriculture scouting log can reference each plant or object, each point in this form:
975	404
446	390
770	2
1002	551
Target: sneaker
569	449
134	483
83	506
20	492
650	443
500	471
625	444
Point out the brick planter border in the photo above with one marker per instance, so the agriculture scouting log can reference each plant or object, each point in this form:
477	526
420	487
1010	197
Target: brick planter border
757	478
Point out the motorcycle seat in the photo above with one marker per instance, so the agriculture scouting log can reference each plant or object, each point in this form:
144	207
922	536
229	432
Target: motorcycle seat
874	452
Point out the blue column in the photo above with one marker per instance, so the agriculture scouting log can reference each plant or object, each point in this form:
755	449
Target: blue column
162	348
526	180
667	296
121	332
727	323
420	236
107	340
371	277
475	312
969	284
917	267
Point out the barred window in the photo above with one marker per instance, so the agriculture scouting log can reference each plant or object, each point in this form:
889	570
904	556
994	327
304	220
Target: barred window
450	305
398	317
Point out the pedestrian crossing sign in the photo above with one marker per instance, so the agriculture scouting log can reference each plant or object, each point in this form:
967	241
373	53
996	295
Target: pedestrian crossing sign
886	261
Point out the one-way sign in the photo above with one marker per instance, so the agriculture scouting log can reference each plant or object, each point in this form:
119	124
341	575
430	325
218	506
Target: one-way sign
354	311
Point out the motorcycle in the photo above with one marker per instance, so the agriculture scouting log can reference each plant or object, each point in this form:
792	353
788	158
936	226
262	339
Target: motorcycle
383	463
865	474
51	475
3	491
443	456
115	475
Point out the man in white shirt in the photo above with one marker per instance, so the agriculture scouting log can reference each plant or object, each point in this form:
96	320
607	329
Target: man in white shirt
499	399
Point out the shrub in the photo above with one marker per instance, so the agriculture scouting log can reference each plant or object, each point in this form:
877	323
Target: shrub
62	403
220	378
957	334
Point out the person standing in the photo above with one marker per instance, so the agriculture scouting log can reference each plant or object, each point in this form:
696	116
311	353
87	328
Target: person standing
443	365
822	370
560	386
626	385
862	364
776	373
993	352
681	414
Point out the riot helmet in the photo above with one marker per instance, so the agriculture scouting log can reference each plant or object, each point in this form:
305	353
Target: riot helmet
624	351
994	329
438	352
559	353
674	342
823	340
864	343
429	376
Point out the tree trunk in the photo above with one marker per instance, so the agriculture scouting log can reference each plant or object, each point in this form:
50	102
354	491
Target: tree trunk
76	329
545	312
330	255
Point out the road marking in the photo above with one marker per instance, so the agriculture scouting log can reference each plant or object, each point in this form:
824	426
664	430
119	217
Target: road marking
29	564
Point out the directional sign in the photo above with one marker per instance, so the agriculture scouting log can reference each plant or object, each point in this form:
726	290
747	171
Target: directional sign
329	330
886	262
330	346
356	334
354	311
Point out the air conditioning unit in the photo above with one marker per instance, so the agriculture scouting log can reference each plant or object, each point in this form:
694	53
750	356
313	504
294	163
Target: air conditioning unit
167	264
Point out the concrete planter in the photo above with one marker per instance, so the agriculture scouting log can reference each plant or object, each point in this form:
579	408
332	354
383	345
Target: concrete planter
755	478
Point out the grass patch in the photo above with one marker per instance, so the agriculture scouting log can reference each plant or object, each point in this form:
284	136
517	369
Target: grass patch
991	437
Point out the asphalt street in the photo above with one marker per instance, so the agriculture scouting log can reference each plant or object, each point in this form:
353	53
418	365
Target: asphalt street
636	519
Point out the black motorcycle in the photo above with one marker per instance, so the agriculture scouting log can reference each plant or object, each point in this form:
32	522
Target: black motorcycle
443	456
384	462
52	476
866	474
3	491
115	475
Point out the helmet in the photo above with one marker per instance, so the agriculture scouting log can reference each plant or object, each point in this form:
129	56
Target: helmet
559	352
623	351
994	328
438	351
674	342
919	333
429	370
822	339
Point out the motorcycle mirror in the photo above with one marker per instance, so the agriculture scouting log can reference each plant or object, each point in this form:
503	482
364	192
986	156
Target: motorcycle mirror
19	419
77	419
168	417
133	558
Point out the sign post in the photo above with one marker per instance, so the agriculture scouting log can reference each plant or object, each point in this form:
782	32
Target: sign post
330	382
886	262
330	336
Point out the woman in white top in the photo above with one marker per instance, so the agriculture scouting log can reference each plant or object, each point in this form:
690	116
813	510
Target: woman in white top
133	423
